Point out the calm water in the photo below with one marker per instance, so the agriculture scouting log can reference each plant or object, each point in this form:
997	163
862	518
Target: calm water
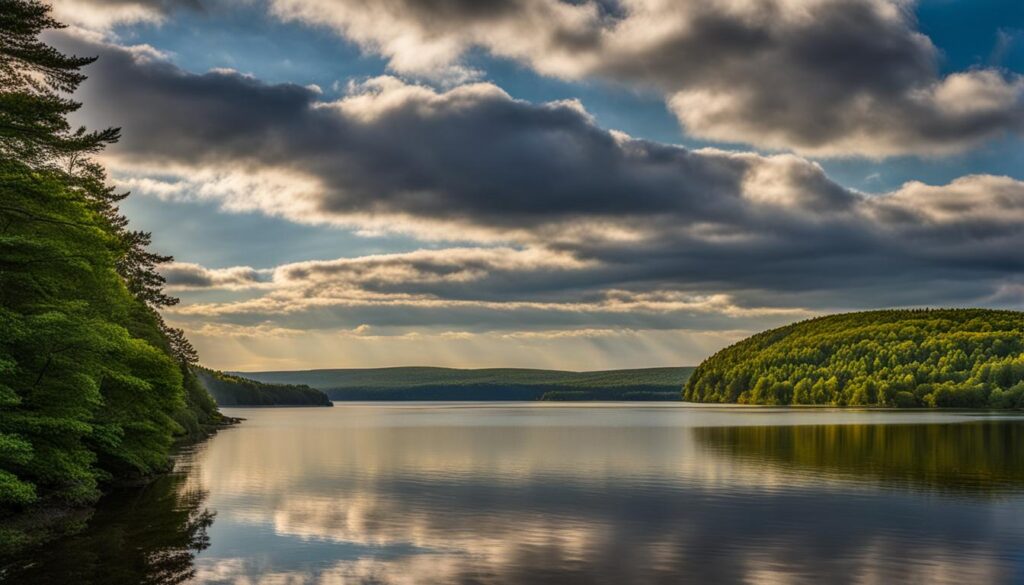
539	493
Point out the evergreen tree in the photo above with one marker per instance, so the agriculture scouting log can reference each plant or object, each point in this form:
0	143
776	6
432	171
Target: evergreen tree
33	114
93	384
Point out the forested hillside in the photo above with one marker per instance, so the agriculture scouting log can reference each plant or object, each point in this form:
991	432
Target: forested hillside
971	358
94	386
230	390
423	383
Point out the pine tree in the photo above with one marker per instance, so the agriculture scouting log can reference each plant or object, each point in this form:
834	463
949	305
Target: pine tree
93	383
33	75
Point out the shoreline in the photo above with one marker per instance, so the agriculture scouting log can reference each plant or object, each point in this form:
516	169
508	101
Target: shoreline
664	402
49	521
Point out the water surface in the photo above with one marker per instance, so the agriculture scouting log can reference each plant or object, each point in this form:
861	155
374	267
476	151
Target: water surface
542	493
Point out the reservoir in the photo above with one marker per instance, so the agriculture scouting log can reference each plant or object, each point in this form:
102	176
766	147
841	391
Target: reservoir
583	493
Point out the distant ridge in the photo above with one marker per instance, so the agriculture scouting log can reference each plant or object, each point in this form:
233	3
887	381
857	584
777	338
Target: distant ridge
434	383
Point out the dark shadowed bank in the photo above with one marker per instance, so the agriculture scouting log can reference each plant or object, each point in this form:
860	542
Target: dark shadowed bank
424	383
148	534
97	532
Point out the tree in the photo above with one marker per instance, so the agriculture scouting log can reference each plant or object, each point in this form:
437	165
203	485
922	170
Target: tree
94	384
802	393
33	113
34	130
948	357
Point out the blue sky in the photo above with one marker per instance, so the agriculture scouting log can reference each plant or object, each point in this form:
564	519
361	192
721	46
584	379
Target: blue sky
891	98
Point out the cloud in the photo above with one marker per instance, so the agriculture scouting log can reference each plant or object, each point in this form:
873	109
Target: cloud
413	311
451	266
429	271
509	296
236	347
430	37
479	290
818	77
189	276
822	77
574	226
101	15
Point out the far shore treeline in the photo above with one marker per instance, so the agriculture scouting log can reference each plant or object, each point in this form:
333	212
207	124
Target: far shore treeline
959	358
513	384
231	390
94	386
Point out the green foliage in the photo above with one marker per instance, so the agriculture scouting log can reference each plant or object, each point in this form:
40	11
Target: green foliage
15	450
231	390
87	383
200	408
953	358
93	384
420	383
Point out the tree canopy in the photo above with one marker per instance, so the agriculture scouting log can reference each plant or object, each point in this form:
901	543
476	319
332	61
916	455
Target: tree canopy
94	386
970	358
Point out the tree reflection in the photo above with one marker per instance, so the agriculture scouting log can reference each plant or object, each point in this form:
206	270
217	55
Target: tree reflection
978	459
149	535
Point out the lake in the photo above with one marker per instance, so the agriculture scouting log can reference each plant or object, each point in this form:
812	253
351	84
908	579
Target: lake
582	493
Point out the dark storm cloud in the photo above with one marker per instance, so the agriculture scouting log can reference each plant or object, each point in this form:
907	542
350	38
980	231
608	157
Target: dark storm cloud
587	211
830	77
471	154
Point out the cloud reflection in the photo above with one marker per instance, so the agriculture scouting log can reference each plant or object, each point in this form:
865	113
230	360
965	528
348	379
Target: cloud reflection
542	495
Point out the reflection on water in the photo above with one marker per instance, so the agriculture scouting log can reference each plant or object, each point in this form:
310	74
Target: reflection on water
526	493
976	459
148	535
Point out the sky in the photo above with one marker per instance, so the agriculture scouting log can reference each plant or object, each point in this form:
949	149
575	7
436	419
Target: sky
571	184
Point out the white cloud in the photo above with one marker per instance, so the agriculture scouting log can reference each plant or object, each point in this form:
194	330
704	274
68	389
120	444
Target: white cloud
822	77
564	228
592	210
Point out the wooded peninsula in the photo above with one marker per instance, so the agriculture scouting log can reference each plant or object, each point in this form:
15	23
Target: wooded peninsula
960	358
